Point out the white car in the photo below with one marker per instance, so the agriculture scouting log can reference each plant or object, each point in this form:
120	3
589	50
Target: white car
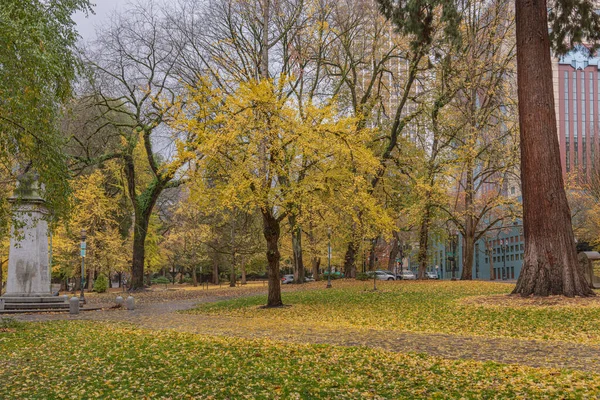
286	279
382	275
408	275
432	275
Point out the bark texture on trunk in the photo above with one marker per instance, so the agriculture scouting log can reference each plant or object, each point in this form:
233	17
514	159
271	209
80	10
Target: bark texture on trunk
469	227
271	232
423	243
316	262
468	254
550	264
350	260
139	252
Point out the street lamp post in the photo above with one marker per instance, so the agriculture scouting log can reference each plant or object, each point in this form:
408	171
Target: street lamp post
83	249
328	258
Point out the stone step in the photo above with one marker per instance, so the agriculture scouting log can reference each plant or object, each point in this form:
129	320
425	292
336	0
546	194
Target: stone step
34	306
47	310
47	299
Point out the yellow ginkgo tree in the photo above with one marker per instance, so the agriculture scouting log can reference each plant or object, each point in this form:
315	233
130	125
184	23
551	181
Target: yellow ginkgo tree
253	145
98	207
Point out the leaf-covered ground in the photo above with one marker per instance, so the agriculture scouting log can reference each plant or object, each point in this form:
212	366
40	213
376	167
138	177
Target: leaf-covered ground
83	359
429	307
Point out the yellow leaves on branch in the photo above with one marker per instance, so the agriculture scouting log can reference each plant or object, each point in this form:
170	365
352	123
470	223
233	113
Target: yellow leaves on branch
255	148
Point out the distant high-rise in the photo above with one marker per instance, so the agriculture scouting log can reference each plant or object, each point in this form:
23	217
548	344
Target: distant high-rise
577	102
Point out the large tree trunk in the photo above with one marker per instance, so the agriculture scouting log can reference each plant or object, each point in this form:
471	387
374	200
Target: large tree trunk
139	251
423	243
468	254
550	265
316	262
394	250
350	260
469	233
271	232
299	271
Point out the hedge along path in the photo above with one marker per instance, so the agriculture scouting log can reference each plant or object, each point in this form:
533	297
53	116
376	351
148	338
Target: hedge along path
168	316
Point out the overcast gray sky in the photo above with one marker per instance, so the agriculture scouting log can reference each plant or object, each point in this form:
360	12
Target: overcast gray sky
103	9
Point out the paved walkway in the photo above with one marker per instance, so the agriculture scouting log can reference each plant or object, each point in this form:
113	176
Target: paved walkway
533	353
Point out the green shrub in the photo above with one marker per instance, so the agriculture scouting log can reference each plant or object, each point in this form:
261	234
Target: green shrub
161	280
362	276
101	284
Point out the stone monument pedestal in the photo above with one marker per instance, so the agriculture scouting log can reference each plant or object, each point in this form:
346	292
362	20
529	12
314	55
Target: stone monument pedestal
29	273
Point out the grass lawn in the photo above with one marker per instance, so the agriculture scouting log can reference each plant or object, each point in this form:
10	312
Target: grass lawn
434	307
77	360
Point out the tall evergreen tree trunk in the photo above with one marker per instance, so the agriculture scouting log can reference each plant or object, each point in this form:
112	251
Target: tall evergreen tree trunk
550	264
271	232
423	242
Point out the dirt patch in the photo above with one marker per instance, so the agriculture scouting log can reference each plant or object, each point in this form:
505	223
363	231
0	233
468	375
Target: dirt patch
516	301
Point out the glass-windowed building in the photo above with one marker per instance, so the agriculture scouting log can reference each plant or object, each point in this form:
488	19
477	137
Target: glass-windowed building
577	102
497	256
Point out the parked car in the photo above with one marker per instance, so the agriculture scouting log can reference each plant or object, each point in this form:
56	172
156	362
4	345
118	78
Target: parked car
407	275
286	279
382	275
432	275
